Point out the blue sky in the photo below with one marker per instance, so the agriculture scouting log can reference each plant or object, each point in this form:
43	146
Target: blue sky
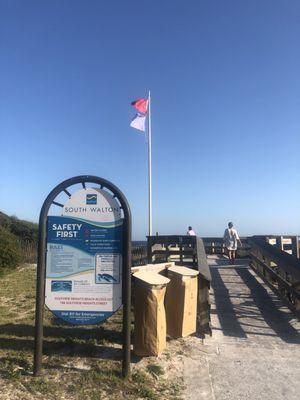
224	77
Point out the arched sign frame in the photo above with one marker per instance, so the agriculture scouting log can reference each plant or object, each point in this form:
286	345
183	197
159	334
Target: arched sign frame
41	264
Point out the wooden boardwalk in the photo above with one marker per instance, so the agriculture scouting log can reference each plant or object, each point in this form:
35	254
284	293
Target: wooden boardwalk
254	351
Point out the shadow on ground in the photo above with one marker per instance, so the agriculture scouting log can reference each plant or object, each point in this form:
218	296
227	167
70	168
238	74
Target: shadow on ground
66	341
243	302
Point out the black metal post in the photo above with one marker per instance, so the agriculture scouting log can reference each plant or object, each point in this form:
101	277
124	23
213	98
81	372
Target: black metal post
127	300
40	295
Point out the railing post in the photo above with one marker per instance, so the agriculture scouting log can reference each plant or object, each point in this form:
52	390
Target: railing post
295	246
180	250
279	242
297	301
195	252
167	250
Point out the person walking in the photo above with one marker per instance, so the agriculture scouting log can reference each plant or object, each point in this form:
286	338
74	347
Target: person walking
231	239
190	231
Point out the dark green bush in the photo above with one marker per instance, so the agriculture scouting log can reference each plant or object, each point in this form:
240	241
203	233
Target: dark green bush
4	220
10	251
26	231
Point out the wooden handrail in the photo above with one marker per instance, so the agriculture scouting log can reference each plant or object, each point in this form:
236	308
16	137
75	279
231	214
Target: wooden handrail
287	262
279	269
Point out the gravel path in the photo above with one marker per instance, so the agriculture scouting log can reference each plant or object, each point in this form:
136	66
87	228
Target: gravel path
254	351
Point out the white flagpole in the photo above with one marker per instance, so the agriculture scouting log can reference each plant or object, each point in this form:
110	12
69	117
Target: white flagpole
149	168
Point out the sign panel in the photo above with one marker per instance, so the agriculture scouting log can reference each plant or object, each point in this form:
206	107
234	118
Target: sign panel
84	258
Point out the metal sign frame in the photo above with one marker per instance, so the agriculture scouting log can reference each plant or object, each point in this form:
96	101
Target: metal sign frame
41	265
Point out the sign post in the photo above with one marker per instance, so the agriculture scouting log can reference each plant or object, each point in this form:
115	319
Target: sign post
84	259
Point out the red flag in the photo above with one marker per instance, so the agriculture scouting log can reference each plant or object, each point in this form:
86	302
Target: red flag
141	105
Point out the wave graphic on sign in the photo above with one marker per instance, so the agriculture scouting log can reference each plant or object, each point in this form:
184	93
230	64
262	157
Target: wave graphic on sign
63	276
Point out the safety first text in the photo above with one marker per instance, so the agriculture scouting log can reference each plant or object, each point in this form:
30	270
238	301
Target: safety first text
66	230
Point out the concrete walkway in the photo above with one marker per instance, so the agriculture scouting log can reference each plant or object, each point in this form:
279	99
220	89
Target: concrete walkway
254	351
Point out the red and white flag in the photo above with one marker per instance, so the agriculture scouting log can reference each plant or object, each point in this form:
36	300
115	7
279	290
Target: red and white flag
138	122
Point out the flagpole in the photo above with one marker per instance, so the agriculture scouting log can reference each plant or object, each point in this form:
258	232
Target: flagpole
149	168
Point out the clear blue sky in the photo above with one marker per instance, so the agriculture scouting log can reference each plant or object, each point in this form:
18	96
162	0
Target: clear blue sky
224	77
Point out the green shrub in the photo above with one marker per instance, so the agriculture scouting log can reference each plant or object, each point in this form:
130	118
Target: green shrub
10	252
155	369
26	231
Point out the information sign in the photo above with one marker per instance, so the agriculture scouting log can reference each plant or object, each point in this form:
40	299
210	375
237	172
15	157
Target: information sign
84	258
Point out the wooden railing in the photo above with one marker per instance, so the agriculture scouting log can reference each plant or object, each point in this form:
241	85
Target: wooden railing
182	250
279	269
289	244
164	248
215	245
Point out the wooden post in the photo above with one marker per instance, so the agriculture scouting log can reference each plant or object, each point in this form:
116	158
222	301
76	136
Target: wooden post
279	242
295	246
180	250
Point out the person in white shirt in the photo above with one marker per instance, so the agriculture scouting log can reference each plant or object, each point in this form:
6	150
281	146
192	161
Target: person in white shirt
231	239
190	231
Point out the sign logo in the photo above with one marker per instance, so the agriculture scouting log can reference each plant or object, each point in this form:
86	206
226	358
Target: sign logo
91	199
